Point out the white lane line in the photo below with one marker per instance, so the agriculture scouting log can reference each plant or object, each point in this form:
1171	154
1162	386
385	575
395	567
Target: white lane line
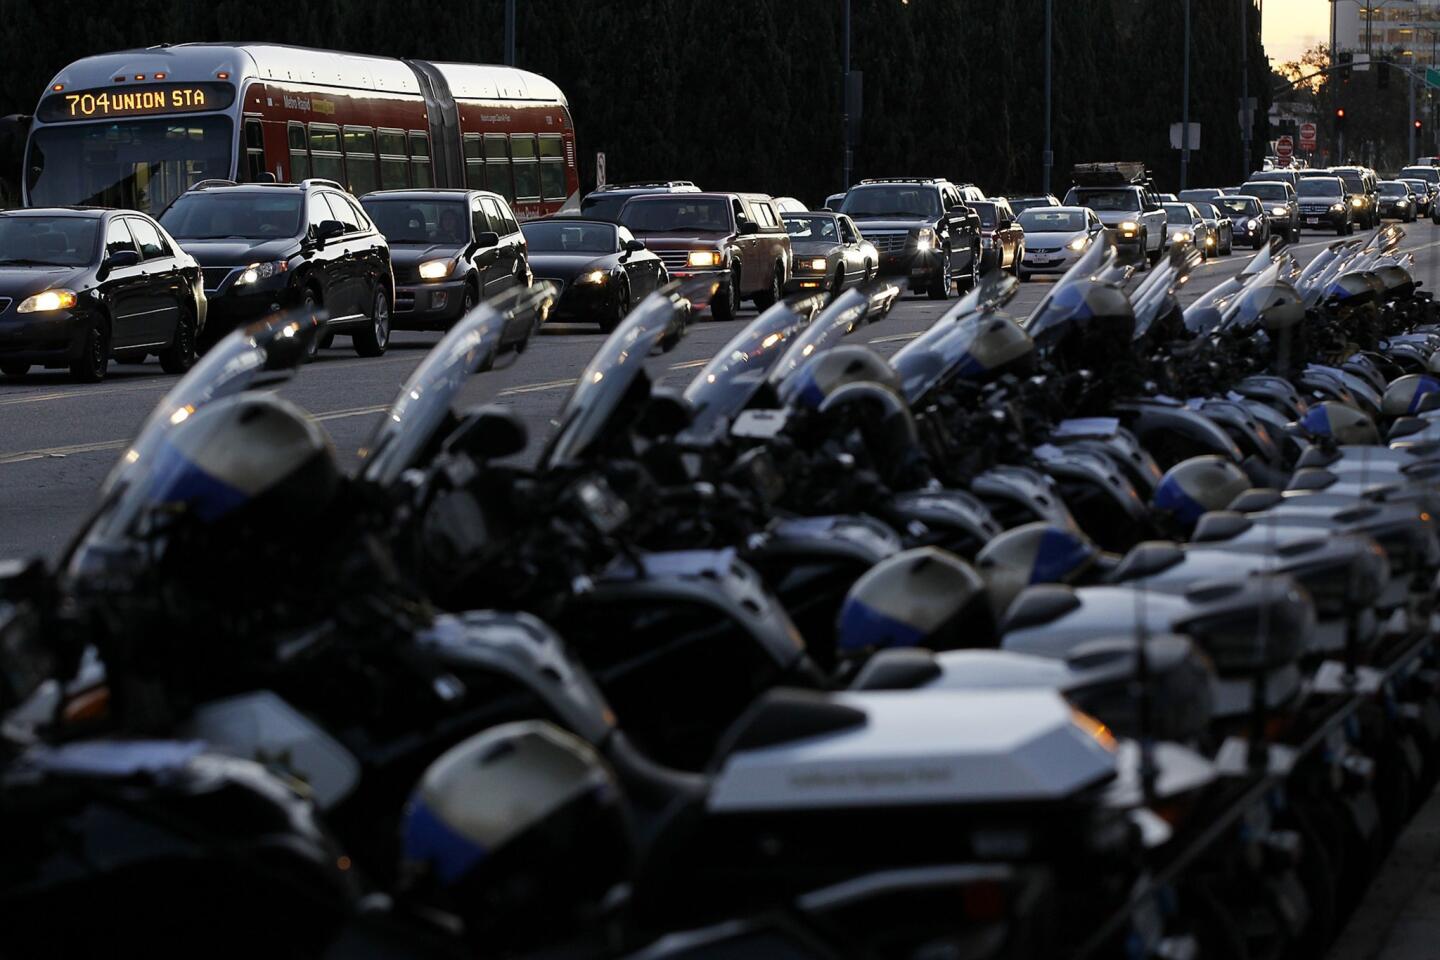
690	364
537	387
352	412
895	337
99	445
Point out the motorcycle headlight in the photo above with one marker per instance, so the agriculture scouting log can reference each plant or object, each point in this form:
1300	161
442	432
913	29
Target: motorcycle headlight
436	269
925	240
705	258
261	271
1279	211
592	276
819	263
1078	243
47	301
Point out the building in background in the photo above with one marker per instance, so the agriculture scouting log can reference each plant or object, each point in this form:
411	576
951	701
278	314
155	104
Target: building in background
1406	31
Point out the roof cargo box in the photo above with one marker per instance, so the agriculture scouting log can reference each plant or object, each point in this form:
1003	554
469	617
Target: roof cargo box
1113	174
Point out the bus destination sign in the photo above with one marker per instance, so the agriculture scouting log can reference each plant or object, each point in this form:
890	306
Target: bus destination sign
135	101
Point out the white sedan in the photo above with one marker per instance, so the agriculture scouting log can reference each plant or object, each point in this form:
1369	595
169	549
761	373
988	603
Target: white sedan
1055	237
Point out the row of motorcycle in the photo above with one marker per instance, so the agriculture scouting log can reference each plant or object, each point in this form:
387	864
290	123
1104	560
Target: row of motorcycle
1103	631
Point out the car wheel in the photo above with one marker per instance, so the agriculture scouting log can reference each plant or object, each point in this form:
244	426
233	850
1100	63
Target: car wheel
372	339
93	361
837	285
309	305
728	306
771	295
470	300
14	368
1153	258
622	307
180	355
1015	263
941	287
869	271
1229	245
972	279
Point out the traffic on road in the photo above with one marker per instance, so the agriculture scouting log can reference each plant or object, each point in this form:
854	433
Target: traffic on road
494	567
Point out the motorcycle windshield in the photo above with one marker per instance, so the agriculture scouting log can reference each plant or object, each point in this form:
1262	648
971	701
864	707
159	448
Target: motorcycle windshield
1094	262
608	377
426	397
1243	310
275	346
739	369
934	356
845	313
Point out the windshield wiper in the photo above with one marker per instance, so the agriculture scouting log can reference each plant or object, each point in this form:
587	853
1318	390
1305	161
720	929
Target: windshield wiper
27	262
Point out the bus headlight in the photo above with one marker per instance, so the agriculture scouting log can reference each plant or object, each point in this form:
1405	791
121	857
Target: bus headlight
48	301
436	269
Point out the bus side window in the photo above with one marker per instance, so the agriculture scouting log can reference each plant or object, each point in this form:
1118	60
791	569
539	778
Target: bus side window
394	167
360	159
552	166
497	165
299	152
527	167
474	162
254	149
420	159
325	159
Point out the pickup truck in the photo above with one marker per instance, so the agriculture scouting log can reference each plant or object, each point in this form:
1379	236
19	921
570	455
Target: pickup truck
1121	195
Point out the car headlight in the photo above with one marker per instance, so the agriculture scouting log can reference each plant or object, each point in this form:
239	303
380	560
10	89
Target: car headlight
261	271
1279	211
47	301
925	240
1251	224
1078	243
1357	201
1184	235
1129	228
436	269
592	276
819	263
1209	239
1402	203
1337	208
705	258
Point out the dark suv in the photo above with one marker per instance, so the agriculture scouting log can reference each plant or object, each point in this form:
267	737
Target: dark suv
606	202
736	239
449	249
266	246
922	230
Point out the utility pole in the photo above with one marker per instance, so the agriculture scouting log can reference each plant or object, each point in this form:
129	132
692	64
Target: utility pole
1411	75
845	91
1047	158
1185	105
1247	121
510	33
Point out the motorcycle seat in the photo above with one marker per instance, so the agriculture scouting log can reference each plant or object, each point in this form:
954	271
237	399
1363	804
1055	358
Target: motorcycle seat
897	670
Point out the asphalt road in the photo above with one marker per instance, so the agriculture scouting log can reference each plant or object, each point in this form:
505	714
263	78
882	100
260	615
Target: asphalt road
59	439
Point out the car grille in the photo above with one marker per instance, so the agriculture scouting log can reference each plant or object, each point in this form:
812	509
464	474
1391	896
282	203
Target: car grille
215	276
675	259
888	242
410	274
1314	208
1042	250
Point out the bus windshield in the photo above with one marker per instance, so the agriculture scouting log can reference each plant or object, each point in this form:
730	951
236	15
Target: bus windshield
141	164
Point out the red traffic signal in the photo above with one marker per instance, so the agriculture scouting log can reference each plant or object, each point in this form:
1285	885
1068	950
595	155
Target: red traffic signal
1339	113
1417	124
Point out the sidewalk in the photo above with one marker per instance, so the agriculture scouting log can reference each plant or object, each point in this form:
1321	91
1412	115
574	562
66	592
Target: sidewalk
1399	919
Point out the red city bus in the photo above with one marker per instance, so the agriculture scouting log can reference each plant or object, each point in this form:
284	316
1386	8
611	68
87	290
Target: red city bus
137	128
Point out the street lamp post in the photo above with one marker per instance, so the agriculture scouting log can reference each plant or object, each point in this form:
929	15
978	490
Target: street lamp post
1247	119
845	92
1185	105
1047	158
510	33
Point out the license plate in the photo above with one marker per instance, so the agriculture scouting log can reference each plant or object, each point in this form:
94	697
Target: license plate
1312	219
1041	261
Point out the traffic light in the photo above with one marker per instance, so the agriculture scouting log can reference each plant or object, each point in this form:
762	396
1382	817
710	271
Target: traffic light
1382	74
1339	118
1418	127
1345	58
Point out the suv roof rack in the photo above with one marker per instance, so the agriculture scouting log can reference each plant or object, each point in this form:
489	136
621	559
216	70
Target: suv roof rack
931	180
320	182
1116	173
207	184
645	185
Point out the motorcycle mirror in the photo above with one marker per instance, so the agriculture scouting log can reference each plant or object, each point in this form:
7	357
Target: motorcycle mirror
295	341
1404	426
488	433
1429	402
666	414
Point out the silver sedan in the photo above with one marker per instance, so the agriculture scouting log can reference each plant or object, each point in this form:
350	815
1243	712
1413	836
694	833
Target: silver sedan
1055	237
829	254
1220	227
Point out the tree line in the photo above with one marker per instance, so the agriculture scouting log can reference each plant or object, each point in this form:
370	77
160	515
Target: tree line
747	94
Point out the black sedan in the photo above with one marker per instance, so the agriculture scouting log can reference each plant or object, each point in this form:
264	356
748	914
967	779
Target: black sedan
829	253
81	285
601	268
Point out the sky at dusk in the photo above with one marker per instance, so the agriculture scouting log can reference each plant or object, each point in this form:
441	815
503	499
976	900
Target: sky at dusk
1290	27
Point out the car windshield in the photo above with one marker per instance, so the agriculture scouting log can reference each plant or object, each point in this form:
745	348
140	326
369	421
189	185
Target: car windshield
605	206
892	200
1390	188
1417	187
1428	174
1051	220
1239	206
39	240
1021	204
1353	183
1207	209
1267	191
986	212
677	214
234	214
553	236
1321	187
134	164
1101	200
811	228
1178	212
426	222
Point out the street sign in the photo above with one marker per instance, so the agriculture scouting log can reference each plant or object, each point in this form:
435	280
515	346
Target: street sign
1432	78
1177	131
599	170
1307	136
1285	146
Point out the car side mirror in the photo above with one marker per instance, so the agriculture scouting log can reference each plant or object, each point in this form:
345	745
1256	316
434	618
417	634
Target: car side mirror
122	258
749	228
327	230
1005	223
634	246
959	210
489	238
488	433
